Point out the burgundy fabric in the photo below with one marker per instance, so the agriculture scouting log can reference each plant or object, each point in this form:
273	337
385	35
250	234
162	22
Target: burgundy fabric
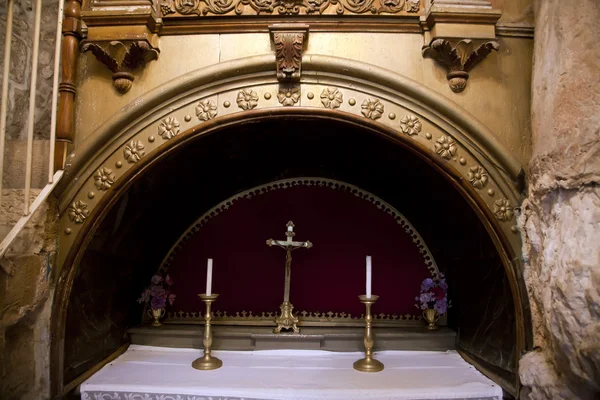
249	275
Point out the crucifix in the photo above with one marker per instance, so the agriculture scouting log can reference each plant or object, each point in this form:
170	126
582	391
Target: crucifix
287	320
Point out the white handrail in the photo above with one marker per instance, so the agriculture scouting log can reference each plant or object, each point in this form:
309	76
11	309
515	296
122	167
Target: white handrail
5	75
53	178
6	242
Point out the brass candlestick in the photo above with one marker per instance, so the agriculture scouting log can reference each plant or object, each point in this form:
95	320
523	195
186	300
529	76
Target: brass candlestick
207	362
368	364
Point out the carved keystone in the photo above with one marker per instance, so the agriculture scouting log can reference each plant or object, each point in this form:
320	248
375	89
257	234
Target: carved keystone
122	58
290	41
458	60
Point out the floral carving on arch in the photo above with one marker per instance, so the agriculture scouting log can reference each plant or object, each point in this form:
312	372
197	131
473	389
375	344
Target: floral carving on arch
373	108
362	102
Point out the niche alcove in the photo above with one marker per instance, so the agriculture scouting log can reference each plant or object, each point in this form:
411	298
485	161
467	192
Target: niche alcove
137	235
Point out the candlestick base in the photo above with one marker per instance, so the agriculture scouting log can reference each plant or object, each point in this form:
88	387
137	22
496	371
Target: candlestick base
286	320
368	365
207	362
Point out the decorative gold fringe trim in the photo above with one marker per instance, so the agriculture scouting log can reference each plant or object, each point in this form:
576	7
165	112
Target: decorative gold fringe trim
305	317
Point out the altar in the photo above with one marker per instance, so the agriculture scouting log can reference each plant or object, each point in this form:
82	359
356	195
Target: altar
231	314
153	373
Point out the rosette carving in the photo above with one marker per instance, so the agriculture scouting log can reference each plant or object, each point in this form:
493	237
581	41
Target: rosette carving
206	110
134	151
247	99
478	177
288	96
78	212
332	98
445	147
168	128
104	178
503	210
410	125
372	109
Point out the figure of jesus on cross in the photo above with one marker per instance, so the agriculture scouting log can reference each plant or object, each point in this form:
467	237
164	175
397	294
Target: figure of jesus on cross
287	320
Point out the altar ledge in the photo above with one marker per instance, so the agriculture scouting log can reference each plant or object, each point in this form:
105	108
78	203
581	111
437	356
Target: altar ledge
153	373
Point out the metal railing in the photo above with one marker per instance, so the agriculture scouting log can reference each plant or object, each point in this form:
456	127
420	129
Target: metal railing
53	177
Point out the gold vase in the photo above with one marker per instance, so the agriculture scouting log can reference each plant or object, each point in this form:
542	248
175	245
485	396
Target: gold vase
431	316
156	315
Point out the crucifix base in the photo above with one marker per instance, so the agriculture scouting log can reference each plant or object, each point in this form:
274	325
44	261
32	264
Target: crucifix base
286	320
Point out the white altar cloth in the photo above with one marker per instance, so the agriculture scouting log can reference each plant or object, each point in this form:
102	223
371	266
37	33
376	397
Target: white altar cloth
159	373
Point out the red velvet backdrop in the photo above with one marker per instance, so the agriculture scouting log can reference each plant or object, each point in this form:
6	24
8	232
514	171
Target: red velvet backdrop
249	275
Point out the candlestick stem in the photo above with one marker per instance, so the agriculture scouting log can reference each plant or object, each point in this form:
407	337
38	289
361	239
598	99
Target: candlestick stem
368	364
207	362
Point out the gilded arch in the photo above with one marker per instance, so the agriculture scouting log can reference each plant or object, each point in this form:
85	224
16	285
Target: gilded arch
246	90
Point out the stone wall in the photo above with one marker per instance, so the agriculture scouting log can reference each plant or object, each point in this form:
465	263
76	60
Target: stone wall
560	221
19	85
25	301
25	297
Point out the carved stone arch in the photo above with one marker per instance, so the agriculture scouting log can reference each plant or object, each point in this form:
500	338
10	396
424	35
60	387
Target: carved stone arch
218	97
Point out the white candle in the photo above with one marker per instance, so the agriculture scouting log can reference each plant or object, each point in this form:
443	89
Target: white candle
368	277
209	277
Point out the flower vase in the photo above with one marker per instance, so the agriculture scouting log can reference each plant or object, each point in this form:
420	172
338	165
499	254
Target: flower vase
156	315
431	316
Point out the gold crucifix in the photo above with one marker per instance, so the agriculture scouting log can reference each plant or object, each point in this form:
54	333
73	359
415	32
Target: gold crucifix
287	320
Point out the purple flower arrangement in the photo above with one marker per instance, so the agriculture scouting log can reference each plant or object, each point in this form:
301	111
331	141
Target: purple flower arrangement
434	294
159	292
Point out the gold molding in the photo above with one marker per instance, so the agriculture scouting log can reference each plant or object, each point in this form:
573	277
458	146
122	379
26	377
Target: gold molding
330	70
116	3
515	30
332	184
460	19
466	17
123	16
218	8
464	151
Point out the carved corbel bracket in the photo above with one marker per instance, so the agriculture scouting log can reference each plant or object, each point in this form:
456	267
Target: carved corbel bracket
290	42
458	59
122	58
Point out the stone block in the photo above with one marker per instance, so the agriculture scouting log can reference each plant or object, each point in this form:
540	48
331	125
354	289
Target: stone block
24	301
15	164
560	223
